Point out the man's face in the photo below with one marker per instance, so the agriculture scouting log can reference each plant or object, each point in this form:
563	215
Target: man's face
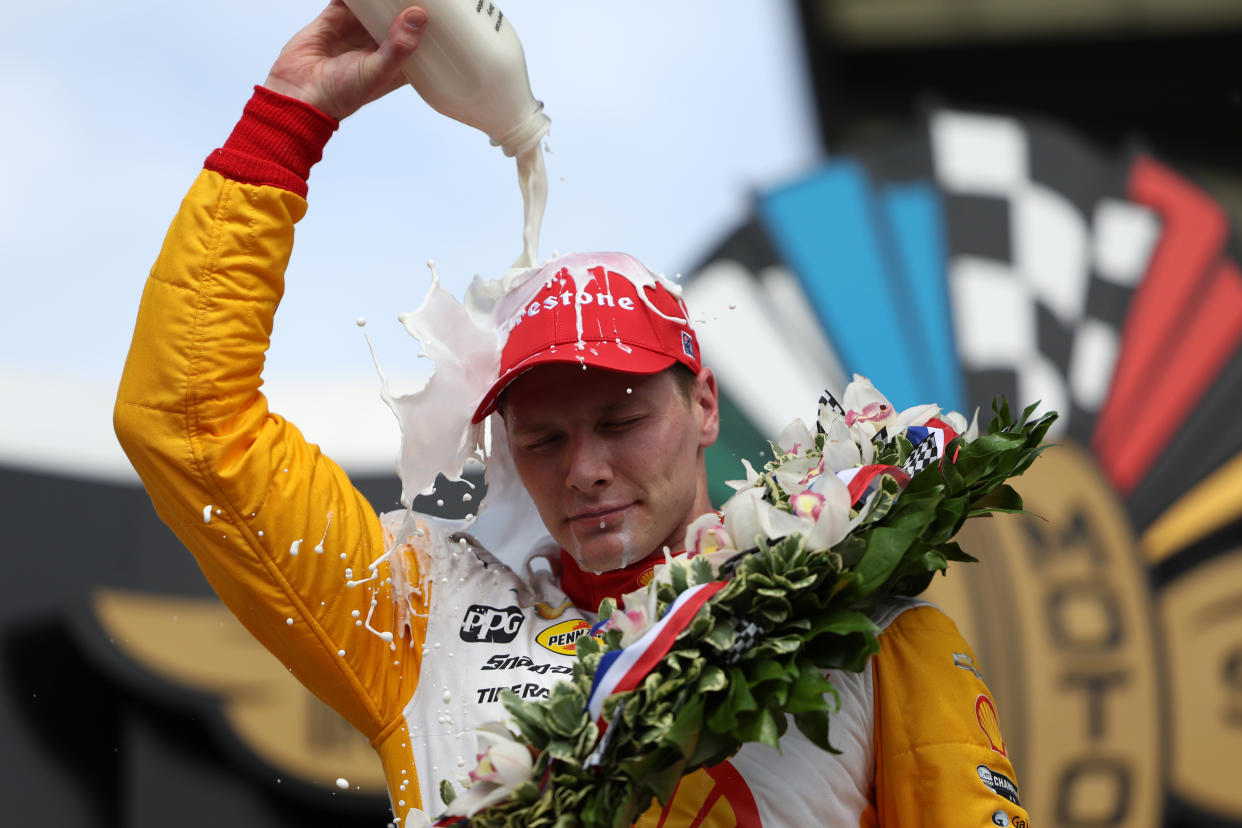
614	462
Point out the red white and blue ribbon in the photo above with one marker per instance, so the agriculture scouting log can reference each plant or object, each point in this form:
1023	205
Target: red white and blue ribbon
624	669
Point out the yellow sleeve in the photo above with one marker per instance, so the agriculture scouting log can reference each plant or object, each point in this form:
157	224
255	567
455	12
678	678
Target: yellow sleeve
238	484
940	756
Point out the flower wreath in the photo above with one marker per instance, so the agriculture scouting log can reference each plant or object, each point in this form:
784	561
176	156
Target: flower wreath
733	639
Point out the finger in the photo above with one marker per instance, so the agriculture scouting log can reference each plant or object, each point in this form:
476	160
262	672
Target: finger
402	39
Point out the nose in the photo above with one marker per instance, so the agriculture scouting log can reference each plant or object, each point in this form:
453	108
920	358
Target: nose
589	468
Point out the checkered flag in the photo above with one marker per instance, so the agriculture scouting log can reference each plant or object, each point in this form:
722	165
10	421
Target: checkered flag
745	638
827	401
1045	249
922	456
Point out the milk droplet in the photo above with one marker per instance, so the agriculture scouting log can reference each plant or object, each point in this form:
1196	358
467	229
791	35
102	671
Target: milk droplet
361	321
207	513
467	497
629	390
356	613
732	307
448	696
344	556
289	621
342	783
439	502
293	547
603	525
260	533
340	653
387	636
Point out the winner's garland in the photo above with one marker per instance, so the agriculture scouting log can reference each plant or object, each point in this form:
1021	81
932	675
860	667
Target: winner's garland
775	591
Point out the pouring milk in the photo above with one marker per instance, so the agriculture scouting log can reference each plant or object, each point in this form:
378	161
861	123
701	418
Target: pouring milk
470	66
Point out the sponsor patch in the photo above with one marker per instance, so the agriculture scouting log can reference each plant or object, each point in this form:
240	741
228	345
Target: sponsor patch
503	661
999	784
563	637
482	623
1000	818
989	722
964	661
687	344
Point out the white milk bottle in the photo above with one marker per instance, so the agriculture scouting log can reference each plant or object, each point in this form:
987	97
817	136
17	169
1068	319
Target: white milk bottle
469	66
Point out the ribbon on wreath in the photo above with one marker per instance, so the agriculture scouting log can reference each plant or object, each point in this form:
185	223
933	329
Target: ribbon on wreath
624	669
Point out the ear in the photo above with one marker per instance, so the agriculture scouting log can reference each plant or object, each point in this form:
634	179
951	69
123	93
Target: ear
707	403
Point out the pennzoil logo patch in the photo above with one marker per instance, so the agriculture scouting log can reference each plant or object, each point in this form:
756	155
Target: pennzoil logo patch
562	638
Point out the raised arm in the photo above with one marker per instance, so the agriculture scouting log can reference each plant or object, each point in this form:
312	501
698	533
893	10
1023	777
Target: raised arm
276	527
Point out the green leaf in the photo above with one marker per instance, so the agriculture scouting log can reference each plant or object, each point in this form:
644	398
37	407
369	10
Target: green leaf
885	547
1001	499
807	692
814	726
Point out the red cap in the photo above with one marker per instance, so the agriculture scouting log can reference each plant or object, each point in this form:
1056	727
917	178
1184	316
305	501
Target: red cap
606	310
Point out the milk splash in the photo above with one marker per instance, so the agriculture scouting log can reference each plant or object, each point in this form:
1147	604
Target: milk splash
464	342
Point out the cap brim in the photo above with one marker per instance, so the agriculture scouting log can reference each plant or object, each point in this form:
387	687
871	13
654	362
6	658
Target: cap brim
624	359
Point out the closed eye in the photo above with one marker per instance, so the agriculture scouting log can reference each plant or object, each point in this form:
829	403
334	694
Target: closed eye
621	424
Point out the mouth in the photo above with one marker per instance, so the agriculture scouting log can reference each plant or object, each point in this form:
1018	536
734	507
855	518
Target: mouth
598	514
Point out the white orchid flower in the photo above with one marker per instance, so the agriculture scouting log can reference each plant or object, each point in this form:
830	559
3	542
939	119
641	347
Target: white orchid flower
503	764
752	477
914	416
747	516
957	422
706	534
632	622
795	475
828	418
869	411
796	438
866	407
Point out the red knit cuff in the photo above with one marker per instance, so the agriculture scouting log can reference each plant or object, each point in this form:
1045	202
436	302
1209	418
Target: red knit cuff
276	142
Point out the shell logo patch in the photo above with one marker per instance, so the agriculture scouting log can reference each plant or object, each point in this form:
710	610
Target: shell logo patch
985	712
562	638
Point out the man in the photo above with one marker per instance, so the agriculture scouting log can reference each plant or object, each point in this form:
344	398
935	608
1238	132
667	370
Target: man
606	409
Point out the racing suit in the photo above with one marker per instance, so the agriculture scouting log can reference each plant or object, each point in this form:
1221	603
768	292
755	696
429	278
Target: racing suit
280	533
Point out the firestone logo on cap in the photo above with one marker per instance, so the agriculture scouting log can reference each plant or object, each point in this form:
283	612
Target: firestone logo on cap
603	310
549	299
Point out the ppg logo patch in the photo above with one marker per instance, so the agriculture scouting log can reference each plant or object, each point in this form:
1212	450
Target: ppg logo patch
498	626
687	344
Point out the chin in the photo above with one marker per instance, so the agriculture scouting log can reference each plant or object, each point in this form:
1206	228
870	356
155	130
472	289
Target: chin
603	555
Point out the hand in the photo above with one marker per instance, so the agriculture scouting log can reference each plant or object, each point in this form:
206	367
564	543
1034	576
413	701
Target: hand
335	66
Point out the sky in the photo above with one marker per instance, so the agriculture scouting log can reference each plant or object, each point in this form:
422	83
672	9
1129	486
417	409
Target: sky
667	118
